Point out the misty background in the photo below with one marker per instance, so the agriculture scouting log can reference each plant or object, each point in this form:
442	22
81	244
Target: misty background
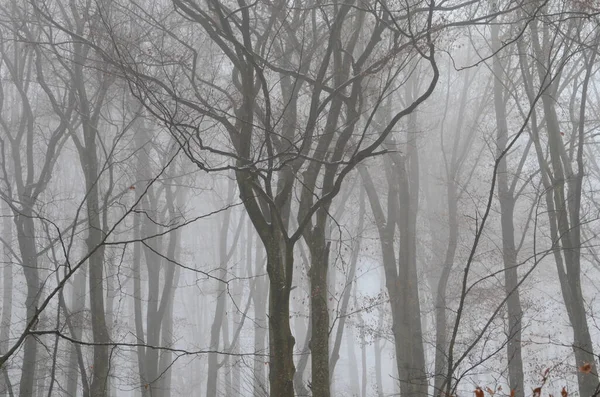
299	198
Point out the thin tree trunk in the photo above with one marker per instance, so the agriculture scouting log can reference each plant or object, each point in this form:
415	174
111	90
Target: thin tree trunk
212	385
260	386
88	154
401	281
139	139
353	375
509	251
172	279
564	215
7	295
303	362
111	293
348	288
78	293
378	373
363	356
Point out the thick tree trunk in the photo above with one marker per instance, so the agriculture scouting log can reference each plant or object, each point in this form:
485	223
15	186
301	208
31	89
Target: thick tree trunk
280	261
26	238
319	344
413	373
99	385
299	383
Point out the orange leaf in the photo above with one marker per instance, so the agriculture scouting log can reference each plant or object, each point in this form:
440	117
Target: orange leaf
478	392
513	392
586	368
499	388
490	391
131	187
564	392
537	392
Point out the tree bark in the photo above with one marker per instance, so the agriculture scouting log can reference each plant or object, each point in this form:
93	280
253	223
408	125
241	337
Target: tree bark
348	288
260	297
212	385
563	198
7	295
280	261
319	343
77	301
509	250
26	238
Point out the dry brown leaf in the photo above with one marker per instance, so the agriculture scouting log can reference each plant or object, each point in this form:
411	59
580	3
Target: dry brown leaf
586	368
564	392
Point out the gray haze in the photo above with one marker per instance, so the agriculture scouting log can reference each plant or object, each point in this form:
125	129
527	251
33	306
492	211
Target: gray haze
299	198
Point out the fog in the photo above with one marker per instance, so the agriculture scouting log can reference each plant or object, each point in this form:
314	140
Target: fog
299	198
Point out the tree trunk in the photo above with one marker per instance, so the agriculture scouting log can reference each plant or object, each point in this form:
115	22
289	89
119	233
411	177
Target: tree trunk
353	376
378	375
172	279
7	296
509	251
212	384
409	332
26	237
280	261
563	195
98	387
401	279
260	386
319	343
363	357
142	167
78	293
440	296
88	156
348	289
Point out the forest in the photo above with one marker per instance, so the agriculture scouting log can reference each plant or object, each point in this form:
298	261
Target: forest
286	198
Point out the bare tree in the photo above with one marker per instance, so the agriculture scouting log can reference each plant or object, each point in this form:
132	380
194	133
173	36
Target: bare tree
562	183
254	117
31	173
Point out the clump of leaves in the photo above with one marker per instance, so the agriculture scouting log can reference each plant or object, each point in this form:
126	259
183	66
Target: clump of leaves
586	368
